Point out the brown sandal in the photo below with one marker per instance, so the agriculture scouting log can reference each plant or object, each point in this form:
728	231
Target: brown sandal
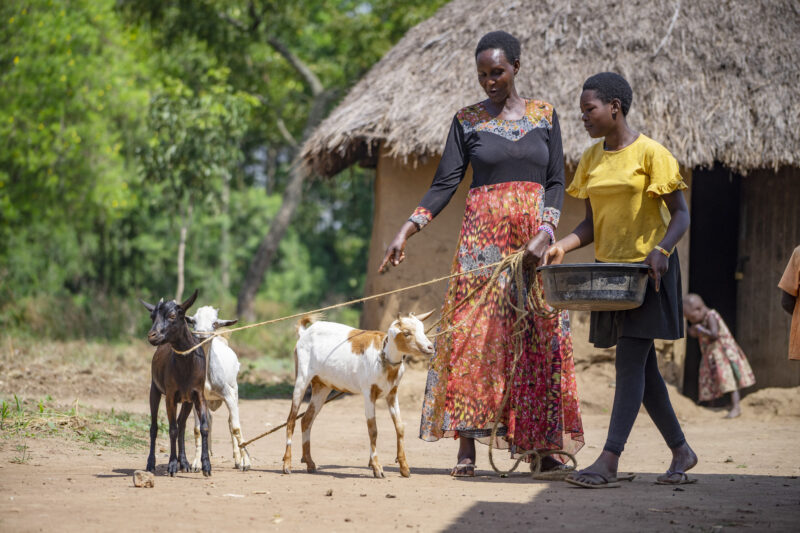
463	470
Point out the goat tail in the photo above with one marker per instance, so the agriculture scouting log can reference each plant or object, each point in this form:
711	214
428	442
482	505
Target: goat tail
307	320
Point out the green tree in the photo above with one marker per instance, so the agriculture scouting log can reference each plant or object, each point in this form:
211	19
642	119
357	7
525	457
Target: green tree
195	148
298	58
72	97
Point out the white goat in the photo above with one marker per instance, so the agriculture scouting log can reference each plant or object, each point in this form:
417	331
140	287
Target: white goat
222	371
334	356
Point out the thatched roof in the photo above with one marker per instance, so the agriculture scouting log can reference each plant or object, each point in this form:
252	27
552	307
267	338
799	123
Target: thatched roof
712	80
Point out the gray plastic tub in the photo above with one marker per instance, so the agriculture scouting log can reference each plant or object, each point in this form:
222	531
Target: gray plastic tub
595	286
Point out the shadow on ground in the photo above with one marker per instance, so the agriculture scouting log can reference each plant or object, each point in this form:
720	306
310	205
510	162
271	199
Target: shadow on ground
717	502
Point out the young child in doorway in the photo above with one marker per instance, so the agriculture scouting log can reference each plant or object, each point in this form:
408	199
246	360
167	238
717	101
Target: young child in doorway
724	367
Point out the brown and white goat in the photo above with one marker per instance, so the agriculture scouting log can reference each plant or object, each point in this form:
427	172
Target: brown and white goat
180	379
334	356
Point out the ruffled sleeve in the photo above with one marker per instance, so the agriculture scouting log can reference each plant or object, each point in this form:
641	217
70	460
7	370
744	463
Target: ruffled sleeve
577	188
664	173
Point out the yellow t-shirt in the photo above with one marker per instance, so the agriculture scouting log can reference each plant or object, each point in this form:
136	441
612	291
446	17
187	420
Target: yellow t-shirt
625	188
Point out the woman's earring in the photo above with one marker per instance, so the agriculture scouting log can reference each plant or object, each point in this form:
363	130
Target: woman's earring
614	115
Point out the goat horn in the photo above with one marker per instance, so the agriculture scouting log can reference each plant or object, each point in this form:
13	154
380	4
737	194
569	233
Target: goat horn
424	316
188	303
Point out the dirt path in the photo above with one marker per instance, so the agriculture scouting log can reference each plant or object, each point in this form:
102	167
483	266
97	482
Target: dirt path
748	477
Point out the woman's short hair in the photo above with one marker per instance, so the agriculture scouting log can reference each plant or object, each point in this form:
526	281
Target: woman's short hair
500	40
610	85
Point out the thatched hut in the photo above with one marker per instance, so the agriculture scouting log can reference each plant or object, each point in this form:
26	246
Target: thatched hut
718	83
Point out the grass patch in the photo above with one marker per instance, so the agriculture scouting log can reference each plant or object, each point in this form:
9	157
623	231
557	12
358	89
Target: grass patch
36	419
260	390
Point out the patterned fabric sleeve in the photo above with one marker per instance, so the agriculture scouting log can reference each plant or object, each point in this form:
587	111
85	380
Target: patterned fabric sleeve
554	183
449	174
421	217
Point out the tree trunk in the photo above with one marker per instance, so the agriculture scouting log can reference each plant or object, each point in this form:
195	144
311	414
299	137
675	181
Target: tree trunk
291	196
269	245
225	244
187	215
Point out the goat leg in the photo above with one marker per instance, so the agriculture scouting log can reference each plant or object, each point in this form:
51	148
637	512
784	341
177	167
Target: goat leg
186	409
300	386
399	427
198	443
202	409
155	401
318	395
172	408
372	427
241	458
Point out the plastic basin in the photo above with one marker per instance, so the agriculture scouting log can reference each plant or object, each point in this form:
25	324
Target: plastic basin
595	286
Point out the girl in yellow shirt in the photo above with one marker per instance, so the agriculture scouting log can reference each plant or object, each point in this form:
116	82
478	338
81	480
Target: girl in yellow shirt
635	213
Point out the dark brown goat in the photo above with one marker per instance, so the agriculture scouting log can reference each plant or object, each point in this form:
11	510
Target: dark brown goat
180	378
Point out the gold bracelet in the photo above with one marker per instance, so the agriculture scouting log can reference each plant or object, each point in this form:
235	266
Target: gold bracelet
662	250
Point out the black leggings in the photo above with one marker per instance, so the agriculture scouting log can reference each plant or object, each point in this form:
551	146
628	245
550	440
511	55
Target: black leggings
639	382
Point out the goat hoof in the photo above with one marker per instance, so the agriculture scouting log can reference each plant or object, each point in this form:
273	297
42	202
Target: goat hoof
405	472
287	469
311	468
207	473
172	468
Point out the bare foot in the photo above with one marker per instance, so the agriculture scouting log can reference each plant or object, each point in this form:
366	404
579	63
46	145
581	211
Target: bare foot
683	460
735	412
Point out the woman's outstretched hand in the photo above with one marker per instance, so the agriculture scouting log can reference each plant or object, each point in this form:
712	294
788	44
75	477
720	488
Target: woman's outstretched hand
395	252
535	250
554	255
658	264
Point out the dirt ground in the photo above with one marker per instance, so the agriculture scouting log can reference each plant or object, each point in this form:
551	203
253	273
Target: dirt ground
748	471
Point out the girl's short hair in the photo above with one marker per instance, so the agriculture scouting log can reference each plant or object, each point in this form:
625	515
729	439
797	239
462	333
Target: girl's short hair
502	40
610	85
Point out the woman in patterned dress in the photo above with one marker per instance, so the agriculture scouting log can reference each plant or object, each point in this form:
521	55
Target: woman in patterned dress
514	147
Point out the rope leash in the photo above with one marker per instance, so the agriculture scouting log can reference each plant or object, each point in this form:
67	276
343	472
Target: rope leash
499	267
533	299
342	304
276	428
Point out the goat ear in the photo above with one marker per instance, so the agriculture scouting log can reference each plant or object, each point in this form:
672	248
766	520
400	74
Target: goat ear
223	323
147	306
188	303
424	316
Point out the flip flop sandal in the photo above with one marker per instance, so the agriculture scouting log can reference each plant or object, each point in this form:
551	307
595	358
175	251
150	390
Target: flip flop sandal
463	470
630	476
682	480
607	483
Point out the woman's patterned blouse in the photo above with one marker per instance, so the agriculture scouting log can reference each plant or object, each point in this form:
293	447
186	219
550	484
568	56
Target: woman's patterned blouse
528	149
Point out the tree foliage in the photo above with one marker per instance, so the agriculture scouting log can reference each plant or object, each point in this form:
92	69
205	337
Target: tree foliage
116	111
